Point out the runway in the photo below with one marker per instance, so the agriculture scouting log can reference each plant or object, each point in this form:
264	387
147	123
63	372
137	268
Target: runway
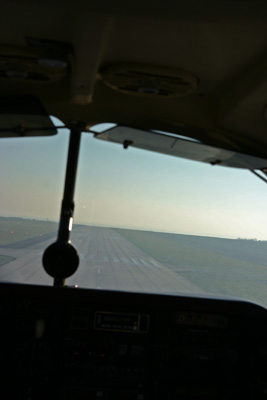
107	261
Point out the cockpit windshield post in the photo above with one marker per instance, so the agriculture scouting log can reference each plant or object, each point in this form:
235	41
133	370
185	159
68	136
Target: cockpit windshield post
61	260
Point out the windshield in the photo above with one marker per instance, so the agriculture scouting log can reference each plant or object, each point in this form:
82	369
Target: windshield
144	222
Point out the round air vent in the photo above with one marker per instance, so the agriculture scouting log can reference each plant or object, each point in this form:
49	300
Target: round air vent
39	60
28	69
149	80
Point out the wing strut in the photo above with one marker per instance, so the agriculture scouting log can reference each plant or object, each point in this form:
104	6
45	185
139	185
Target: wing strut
264	171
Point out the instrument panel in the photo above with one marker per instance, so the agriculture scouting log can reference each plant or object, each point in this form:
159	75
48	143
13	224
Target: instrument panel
66	343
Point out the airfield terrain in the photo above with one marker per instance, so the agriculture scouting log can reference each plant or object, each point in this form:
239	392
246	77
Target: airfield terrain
141	261
107	261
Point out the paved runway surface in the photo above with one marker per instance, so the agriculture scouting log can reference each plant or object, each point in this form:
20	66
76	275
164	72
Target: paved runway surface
107	261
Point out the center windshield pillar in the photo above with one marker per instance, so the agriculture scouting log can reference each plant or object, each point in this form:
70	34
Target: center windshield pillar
60	259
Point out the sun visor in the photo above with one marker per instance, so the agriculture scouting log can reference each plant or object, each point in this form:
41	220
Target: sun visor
24	116
175	145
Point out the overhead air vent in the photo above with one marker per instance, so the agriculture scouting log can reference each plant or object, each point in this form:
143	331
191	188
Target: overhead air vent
40	61
149	80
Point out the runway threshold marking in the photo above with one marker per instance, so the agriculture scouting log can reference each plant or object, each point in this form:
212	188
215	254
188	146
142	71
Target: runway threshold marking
154	263
143	262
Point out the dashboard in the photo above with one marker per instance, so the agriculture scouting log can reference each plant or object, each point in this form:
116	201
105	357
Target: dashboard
68	343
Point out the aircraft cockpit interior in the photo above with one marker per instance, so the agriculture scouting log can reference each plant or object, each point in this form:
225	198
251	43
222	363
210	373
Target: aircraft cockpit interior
133	239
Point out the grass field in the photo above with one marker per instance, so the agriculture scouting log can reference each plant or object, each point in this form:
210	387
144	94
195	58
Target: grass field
13	230
229	267
6	259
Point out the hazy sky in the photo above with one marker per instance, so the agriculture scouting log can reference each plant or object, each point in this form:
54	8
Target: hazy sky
131	188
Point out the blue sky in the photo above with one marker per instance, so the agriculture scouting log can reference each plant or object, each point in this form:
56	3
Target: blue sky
131	188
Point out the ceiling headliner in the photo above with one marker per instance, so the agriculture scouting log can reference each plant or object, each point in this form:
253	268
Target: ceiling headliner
222	43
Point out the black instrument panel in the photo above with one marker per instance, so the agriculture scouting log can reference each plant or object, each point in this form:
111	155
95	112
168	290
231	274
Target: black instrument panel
66	343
